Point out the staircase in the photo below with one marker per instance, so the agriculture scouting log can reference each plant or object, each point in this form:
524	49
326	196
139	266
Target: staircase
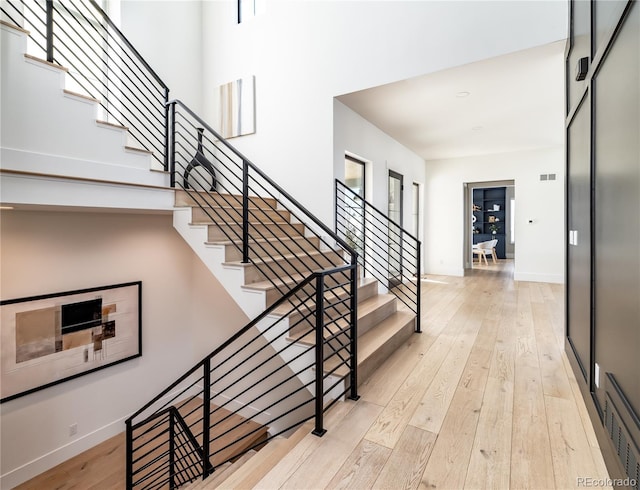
382	325
71	139
322	319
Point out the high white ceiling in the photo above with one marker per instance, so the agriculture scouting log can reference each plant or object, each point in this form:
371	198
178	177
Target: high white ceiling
514	103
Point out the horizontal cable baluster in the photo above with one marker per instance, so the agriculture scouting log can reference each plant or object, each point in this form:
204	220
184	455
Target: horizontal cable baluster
304	387
105	40
283	366
153	449
260	350
383	230
105	70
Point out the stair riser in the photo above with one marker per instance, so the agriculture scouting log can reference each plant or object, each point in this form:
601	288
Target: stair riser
367	291
365	323
233	215
185	199
281	268
364	292
369	365
369	320
272	295
274	248
257	231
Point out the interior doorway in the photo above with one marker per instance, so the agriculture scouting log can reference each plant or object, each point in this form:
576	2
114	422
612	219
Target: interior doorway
489	223
355	180
395	213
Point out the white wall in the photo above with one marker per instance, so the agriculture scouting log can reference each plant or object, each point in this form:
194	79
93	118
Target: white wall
352	133
168	34
539	247
305	53
186	313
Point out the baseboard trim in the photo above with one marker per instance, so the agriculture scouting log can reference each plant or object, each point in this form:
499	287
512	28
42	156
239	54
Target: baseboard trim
535	277
59	455
615	469
67	451
445	272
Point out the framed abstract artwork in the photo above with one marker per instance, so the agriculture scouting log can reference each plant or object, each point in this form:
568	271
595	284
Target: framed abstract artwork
52	338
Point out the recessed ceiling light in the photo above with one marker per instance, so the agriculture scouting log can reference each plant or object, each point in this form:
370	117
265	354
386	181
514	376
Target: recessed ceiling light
6	207
477	128
463	94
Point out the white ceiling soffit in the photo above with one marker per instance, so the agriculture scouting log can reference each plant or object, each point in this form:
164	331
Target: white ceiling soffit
509	103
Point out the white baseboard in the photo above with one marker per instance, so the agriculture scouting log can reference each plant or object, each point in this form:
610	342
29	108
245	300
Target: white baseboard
535	277
63	453
459	272
67	451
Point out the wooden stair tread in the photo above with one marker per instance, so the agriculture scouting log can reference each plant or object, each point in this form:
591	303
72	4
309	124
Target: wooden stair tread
364	308
267	285
219	477
138	150
362	283
226	427
228	243
238	207
80	96
225	223
112	125
258	240
45	62
278	282
368	305
314	253
200	484
250	474
374	339
14	27
182	198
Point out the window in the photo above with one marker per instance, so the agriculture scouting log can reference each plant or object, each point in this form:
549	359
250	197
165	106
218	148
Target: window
248	9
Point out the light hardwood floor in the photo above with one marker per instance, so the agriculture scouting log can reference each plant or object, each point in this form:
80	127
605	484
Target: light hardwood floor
484	398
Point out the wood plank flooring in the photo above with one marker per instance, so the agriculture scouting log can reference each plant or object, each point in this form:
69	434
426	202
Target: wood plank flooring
484	398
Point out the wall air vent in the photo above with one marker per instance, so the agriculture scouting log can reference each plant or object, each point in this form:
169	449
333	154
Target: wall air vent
622	425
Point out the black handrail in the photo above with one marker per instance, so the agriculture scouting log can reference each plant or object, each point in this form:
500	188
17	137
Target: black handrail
252	212
374	256
151	462
321	313
226	343
128	44
103	63
271	182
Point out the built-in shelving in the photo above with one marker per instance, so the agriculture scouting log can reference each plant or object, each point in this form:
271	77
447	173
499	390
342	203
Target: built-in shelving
489	217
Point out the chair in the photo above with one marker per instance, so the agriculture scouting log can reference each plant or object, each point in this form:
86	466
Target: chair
483	248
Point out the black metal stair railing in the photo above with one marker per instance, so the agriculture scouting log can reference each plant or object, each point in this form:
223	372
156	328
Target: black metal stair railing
385	250
102	64
242	394
296	358
273	232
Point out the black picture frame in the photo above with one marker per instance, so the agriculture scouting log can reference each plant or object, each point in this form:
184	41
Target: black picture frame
53	338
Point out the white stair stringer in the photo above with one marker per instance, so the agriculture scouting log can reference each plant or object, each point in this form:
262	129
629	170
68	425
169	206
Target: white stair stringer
48	131
251	302
298	364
